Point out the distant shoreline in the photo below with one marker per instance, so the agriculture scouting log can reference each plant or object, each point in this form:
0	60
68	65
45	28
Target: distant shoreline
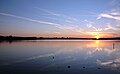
13	38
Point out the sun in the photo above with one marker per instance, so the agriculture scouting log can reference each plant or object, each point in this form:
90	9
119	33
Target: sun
97	36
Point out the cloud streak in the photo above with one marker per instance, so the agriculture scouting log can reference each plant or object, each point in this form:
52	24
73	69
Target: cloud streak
109	27
110	16
69	18
29	19
70	23
60	26
115	63
95	29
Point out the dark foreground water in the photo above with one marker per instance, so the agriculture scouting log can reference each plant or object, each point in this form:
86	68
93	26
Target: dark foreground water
60	57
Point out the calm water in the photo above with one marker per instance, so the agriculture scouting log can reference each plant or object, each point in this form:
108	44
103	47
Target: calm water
60	57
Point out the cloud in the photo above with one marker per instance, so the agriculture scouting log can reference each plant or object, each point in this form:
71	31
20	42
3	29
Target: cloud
69	23
29	19
89	24
104	63
110	16
56	32
109	27
49	12
115	13
72	23
59	15
115	63
60	26
115	3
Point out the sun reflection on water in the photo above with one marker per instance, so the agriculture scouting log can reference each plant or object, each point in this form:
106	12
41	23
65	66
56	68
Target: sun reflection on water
97	45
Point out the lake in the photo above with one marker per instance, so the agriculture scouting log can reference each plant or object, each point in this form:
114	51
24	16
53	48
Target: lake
60	57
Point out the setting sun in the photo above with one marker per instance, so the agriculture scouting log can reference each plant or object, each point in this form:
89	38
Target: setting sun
97	36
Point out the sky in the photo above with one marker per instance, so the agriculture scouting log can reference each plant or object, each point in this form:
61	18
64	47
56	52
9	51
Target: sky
60	18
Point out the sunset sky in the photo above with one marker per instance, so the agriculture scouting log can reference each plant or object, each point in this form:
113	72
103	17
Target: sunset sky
60	18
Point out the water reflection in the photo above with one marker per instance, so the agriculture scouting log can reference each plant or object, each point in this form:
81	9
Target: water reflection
114	63
38	56
106	46
102	46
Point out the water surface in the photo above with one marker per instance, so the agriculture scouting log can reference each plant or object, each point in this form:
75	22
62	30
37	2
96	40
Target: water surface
60	57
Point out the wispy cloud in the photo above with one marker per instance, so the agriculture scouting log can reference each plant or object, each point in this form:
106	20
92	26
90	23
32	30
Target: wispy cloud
110	16
70	23
115	63
60	26
108	31
89	24
104	63
115	3
109	27
59	15
114	13
29	19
